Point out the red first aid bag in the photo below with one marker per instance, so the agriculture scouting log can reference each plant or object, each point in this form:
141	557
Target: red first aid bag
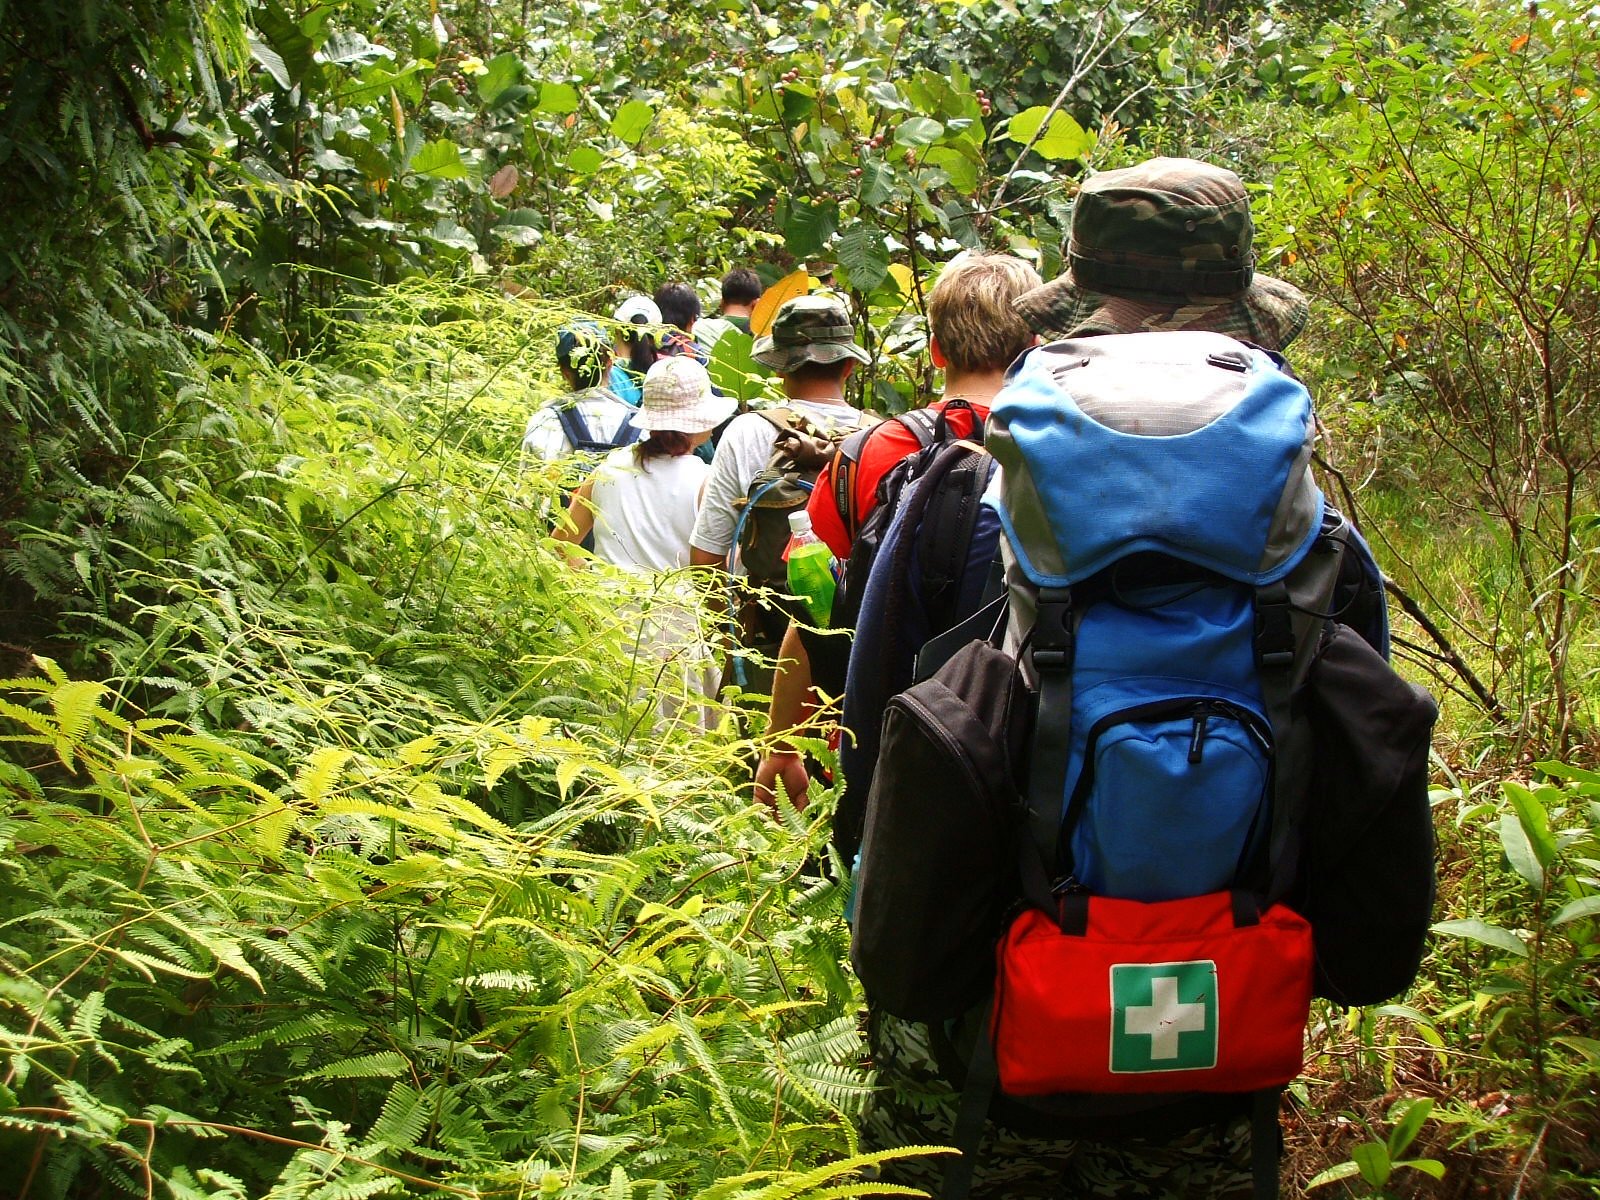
1206	994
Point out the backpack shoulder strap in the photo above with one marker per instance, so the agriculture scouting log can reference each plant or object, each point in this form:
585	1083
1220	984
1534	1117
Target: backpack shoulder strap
925	426
627	433
574	427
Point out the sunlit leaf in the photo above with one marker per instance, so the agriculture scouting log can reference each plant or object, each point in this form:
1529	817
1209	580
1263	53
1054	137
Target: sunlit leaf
1520	853
1063	139
439	159
631	121
558	98
1576	910
1481	931
1534	819
918	131
775	297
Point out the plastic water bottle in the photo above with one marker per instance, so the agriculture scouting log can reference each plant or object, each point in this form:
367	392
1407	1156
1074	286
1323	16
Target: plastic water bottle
810	568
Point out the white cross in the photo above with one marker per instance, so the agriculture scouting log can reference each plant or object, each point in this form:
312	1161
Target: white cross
1164	1018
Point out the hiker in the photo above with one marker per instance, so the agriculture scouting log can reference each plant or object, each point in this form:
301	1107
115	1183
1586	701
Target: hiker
974	335
641	501
635	344
812	348
741	289
680	310
1160	246
590	417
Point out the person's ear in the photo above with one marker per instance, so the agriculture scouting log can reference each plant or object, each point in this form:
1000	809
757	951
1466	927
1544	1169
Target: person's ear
936	352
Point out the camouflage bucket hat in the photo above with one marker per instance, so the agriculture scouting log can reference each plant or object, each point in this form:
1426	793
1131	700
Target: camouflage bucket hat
808	329
1165	245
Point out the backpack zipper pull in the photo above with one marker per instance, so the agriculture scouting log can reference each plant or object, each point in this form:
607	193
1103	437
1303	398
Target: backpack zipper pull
1198	737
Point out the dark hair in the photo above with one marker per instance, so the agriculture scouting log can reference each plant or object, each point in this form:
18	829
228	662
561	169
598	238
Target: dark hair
678	304
662	443
642	349
741	286
820	372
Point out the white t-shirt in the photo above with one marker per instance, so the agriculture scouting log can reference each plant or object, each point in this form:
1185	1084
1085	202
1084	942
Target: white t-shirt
602	412
743	451
644	513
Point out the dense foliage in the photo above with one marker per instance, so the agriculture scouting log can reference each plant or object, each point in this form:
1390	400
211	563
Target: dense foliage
342	852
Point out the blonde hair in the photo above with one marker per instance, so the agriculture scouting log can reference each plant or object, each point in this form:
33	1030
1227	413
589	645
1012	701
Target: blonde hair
969	310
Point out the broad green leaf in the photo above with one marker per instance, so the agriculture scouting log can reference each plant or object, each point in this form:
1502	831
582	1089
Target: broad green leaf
1409	1124
1534	819
1519	850
272	63
290	48
502	72
864	257
1063	139
963	172
446	232
631	121
885	94
1372	1160
1561	770
1576	910
807	226
347	46
585	160
1332	1175
1589	1048
733	369
439	159
877	181
918	131
1428	1166
558	98
1475	930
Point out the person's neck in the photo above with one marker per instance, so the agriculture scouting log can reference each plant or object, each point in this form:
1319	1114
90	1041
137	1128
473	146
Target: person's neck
814	391
980	387
738	310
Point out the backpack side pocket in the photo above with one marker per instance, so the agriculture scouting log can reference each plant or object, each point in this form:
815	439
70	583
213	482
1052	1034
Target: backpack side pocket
938	862
1367	882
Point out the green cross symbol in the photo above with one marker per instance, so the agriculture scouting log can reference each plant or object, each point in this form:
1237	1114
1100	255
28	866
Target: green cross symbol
1163	1017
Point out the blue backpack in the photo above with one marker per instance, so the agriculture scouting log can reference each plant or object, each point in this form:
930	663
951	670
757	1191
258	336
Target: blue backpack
1183	693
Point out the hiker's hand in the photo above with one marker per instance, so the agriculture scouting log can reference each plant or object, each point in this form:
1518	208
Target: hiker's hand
783	766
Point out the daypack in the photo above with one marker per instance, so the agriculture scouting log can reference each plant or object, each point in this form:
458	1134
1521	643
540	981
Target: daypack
829	654
928	572
1182	790
799	452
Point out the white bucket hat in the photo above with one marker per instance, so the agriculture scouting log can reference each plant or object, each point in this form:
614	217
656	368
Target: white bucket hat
678	397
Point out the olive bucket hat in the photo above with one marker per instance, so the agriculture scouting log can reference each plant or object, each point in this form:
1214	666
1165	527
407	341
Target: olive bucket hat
808	329
1165	245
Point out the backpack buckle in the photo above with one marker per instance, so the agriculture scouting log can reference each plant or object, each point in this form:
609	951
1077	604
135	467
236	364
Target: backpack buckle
1274	628
1054	642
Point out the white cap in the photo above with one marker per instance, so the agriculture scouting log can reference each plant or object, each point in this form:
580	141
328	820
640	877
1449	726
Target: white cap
800	521
637	310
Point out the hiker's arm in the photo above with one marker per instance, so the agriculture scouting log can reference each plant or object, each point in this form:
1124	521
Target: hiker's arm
792	706
579	519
